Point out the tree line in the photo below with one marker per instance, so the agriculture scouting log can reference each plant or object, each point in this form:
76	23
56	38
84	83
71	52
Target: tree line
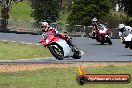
80	11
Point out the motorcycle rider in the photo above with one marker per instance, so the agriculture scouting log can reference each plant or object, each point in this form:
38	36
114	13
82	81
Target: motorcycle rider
95	24
46	29
122	28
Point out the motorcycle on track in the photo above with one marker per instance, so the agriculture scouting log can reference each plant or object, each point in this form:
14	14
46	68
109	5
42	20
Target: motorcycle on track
126	38
59	47
101	34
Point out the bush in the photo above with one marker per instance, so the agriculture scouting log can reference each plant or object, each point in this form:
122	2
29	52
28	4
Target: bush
114	18
130	22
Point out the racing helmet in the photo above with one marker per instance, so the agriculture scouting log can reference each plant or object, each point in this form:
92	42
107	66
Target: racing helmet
44	25
94	20
121	27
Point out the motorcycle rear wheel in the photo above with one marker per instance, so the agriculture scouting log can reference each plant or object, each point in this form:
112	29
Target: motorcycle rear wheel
77	53
57	51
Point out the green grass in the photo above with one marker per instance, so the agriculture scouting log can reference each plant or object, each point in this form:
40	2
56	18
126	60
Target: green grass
63	17
13	51
21	11
59	78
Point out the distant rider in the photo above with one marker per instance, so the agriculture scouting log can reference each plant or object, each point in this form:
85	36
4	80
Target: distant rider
95	24
122	28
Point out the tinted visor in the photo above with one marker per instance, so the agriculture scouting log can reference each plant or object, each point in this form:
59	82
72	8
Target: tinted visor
43	26
43	31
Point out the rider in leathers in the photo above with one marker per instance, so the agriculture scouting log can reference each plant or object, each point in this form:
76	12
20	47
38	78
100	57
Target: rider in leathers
48	30
95	25
122	28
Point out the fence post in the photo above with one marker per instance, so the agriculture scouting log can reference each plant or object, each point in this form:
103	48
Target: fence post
83	31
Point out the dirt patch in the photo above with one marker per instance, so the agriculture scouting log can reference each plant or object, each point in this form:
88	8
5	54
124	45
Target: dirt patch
24	67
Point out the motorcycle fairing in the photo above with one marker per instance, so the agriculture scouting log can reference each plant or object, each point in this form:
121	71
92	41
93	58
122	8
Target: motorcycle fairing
103	31
67	50
128	38
107	36
51	38
126	33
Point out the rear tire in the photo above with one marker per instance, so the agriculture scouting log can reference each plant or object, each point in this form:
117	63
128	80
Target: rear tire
77	53
102	43
57	51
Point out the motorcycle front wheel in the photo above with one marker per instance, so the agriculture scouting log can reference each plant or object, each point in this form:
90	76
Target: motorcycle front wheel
108	41
130	47
57	51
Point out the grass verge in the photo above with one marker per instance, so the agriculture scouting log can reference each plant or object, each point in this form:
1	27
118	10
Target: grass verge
13	51
21	11
59	77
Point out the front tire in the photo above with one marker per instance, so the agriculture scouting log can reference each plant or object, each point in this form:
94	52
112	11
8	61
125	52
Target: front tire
130	47
108	41
57	51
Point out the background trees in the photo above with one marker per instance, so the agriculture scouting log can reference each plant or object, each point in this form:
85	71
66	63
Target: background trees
80	11
125	5
46	10
83	11
5	10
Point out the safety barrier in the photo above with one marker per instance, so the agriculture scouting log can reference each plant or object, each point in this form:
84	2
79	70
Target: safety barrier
73	30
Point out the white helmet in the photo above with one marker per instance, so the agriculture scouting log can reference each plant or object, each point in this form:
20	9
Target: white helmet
94	19
44	25
120	26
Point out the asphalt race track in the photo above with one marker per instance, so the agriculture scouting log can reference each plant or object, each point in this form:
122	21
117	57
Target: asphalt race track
91	50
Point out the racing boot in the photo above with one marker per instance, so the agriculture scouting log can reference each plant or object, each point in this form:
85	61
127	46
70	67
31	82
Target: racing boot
73	47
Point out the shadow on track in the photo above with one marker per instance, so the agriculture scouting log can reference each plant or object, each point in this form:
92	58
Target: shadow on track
126	55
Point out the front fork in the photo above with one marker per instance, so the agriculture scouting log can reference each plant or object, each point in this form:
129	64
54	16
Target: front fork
107	36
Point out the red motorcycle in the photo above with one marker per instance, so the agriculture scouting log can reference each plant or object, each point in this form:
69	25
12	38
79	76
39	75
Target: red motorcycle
101	34
59	47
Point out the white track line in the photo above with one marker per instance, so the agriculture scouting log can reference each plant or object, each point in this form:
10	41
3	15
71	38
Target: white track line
13	41
4	40
20	42
33	44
